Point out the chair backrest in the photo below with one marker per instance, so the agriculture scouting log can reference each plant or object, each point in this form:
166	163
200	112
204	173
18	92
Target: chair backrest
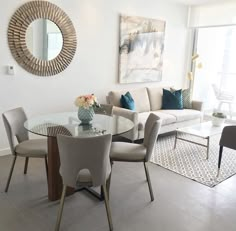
228	137
216	90
14	123
222	94
151	131
91	153
104	109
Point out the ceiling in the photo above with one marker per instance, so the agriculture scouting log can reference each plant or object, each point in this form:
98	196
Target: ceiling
197	2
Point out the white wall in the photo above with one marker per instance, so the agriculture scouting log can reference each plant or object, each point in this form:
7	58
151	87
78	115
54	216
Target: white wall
94	67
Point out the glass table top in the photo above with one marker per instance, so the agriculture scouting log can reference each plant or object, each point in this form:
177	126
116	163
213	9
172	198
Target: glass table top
203	130
67	123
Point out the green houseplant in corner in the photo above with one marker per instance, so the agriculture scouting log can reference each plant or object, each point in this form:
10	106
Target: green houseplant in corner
218	118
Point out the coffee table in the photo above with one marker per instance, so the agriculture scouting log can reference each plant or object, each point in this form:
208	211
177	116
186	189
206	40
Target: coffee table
203	130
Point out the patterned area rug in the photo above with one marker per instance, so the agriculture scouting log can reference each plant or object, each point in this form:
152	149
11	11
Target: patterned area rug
189	159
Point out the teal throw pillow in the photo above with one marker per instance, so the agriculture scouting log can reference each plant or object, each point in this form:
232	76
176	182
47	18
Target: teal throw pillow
127	101
186	96
172	100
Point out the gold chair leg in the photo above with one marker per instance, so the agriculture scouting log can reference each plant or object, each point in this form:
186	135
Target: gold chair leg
108	183
10	174
107	207
26	164
46	166
149	181
59	215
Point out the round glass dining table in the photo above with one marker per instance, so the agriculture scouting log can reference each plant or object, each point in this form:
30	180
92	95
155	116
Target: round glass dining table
67	123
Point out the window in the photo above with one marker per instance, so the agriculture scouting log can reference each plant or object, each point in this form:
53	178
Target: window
216	47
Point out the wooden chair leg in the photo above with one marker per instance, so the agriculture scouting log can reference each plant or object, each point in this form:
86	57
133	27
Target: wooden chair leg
149	181
26	164
59	215
219	160
10	174
107	207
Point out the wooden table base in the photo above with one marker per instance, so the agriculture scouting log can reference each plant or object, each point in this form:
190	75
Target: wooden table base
54	178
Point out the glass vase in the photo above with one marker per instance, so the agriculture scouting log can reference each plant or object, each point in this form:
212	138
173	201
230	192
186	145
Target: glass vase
85	115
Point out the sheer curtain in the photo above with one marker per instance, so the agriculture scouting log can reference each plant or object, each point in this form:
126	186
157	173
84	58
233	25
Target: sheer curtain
216	47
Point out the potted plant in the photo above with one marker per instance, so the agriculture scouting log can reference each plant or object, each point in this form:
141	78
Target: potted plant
218	118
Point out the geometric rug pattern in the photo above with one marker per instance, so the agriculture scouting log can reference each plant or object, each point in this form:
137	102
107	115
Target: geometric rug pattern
189	159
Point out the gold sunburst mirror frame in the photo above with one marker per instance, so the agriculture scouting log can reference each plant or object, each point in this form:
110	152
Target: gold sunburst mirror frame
18	25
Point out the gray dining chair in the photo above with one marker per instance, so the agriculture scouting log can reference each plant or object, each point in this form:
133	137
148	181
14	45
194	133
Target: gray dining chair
104	109
19	141
84	162
132	152
227	140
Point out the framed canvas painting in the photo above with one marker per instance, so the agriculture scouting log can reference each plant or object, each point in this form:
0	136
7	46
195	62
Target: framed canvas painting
140	49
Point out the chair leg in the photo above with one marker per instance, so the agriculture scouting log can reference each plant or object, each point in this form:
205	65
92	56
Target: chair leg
107	207
10	174
26	164
46	166
108	183
59	215
219	160
149	181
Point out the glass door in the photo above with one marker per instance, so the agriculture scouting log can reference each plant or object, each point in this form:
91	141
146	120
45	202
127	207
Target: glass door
215	82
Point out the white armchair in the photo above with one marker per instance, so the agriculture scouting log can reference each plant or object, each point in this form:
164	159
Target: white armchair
223	97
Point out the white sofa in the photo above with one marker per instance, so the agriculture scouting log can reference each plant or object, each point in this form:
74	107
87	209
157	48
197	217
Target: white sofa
149	99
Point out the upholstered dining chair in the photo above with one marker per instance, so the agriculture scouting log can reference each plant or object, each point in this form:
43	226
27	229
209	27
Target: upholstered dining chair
28	148
104	109
227	140
132	152
84	162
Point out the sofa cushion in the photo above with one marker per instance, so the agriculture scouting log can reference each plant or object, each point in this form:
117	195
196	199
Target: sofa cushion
139	95
172	99
186	97
155	96
127	101
187	102
183	115
165	118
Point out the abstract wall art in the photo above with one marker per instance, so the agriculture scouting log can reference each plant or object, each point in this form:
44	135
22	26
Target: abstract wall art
140	49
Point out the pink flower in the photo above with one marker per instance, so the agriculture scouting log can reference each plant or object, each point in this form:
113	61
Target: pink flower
86	101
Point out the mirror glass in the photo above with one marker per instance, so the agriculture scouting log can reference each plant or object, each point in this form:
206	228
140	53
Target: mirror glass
44	39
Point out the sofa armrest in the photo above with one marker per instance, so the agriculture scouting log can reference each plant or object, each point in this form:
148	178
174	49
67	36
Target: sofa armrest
133	116
197	105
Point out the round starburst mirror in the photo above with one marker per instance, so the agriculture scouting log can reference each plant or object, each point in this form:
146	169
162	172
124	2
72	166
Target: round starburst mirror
42	38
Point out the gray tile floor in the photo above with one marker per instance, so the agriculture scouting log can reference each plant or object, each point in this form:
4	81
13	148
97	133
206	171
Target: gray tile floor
180	204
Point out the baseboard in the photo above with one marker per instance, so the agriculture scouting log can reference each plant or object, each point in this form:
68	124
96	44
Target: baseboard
4	152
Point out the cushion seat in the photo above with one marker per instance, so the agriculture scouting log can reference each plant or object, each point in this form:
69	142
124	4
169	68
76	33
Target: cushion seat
32	148
121	151
165	118
183	115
